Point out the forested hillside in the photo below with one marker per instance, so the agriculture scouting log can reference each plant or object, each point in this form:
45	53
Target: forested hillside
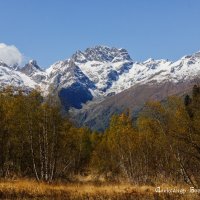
38	141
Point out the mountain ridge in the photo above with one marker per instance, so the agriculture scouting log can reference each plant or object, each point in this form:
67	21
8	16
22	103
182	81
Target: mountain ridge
99	73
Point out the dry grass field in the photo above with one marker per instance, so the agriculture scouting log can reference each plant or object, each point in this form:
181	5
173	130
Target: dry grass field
29	189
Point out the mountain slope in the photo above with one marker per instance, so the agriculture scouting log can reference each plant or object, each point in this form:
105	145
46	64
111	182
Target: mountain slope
96	115
9	76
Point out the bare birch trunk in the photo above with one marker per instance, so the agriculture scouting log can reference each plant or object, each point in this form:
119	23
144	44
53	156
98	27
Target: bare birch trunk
41	158
32	150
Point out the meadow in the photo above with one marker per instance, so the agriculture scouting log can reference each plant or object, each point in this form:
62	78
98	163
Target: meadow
31	189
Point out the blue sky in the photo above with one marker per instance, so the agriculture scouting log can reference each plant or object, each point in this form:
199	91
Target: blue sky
51	30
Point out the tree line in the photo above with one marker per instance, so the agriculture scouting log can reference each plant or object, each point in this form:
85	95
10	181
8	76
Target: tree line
38	140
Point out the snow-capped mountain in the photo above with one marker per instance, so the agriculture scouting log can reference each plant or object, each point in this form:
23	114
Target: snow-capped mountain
99	67
11	76
103	65
158	71
33	71
97	73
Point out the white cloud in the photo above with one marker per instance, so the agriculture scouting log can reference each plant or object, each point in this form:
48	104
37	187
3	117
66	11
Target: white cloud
10	54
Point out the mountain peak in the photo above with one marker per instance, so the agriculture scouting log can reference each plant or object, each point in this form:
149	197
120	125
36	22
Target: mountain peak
101	54
33	62
30	68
